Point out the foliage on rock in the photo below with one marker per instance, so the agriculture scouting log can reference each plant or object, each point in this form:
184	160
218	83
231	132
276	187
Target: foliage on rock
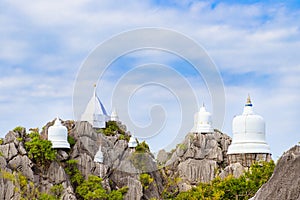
39	150
243	187
92	189
112	129
146	180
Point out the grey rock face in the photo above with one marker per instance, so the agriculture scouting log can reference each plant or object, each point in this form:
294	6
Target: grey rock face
22	164
56	174
195	171
197	158
285	181
8	150
236	169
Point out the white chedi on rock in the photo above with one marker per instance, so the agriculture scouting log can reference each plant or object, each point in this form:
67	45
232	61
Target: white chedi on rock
114	115
248	133
99	156
202	122
95	112
58	135
132	142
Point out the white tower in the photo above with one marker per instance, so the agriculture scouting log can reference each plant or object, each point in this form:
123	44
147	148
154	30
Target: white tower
58	135
114	115
248	133
202	122
95	112
132	142
99	156
248	142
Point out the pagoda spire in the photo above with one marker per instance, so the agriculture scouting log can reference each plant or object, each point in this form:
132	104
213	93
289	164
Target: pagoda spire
248	103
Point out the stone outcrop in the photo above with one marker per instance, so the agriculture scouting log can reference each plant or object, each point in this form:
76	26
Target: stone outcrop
197	159
285	181
122	166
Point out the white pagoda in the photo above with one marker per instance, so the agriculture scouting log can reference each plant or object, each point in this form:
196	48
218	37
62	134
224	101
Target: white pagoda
249	139
58	135
132	142
202	122
95	112
114	115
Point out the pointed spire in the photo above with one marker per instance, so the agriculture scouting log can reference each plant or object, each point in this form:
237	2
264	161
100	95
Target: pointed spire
248	103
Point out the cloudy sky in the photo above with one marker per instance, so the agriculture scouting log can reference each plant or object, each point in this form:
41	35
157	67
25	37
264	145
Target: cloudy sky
254	44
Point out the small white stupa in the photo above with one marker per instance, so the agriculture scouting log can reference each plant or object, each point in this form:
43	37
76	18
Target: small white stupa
248	133
132	142
202	122
114	115
99	156
58	135
95	112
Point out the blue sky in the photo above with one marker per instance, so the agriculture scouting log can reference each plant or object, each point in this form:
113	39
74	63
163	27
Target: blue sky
254	44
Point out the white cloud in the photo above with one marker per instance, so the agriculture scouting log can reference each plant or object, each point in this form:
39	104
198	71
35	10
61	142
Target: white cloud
44	43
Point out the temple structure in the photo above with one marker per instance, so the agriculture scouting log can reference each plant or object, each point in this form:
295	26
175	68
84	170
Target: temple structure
95	112
132	142
58	135
202	122
248	142
114	115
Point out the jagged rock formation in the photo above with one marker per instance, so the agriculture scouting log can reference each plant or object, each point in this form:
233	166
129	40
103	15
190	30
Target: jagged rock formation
285	181
196	159
122	165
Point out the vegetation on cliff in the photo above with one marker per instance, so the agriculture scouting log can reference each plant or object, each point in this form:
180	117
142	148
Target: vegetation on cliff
229	188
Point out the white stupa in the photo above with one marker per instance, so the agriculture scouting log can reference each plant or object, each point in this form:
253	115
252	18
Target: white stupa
58	135
114	115
248	133
202	122
132	142
95	112
99	156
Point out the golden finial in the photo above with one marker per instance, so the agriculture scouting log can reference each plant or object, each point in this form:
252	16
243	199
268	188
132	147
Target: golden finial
248	103
95	85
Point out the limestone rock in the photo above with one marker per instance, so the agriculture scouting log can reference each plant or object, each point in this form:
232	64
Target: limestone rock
135	188
8	150
56	174
6	189
285	181
68	194
163	156
195	171
22	164
236	169
86	165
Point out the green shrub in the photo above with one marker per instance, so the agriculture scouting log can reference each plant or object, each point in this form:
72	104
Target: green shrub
243	187
74	173
142	148
112	129
56	190
39	150
1	141
71	140
92	189
18	129
146	180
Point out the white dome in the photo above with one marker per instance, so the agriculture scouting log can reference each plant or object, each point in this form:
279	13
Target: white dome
132	142
202	122
58	135
114	116
95	112
248	133
99	156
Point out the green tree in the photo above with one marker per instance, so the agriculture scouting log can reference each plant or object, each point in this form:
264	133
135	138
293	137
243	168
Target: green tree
39	150
92	189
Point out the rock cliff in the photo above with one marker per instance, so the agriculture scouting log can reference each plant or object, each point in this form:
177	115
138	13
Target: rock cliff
121	167
285	181
199	158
